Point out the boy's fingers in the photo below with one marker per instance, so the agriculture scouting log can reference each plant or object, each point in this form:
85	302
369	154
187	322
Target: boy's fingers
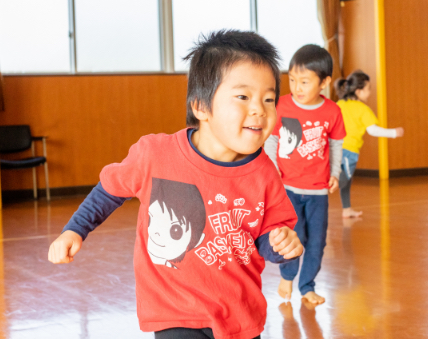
65	247
63	250
74	249
58	253
272	236
292	251
282	245
276	241
293	254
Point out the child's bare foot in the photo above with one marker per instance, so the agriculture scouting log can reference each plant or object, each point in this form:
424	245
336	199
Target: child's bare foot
314	298
285	288
308	305
350	213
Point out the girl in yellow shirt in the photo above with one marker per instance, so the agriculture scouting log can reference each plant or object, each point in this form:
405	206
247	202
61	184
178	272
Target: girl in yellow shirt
358	118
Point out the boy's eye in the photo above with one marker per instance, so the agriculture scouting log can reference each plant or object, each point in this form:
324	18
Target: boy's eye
270	100
176	232
242	97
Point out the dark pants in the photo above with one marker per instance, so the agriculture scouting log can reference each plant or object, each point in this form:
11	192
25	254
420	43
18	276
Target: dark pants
311	228
349	163
186	333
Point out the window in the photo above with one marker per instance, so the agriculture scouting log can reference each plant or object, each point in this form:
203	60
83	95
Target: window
114	36
117	35
192	17
289	25
34	36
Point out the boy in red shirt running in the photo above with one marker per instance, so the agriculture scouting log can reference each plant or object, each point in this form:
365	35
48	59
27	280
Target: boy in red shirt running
306	147
212	205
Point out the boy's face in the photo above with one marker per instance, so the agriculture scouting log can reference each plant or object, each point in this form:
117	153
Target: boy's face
305	86
168	239
243	113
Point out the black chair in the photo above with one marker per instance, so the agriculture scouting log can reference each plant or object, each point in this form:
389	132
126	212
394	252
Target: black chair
17	138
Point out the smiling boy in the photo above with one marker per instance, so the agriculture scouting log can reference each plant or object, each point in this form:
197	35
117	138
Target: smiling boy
207	223
310	167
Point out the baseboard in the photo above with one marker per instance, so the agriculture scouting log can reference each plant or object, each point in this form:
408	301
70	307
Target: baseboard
395	173
20	195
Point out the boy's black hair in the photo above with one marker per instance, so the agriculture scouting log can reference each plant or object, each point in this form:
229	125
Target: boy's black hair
313	58
346	88
214	54
185	201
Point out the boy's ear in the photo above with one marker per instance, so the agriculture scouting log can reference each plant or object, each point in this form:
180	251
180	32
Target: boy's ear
325	83
199	111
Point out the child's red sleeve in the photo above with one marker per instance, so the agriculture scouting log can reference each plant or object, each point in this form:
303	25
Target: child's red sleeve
337	128
124	179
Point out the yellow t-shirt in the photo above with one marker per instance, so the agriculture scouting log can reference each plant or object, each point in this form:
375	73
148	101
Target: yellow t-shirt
357	116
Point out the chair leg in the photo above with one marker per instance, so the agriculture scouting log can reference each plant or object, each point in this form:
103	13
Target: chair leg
34	183
48	191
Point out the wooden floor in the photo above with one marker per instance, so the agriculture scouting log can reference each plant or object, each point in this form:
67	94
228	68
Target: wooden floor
374	273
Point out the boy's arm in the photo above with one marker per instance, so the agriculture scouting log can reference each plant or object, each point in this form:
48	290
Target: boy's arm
335	147
93	211
271	147
335	159
277	242
96	208
266	251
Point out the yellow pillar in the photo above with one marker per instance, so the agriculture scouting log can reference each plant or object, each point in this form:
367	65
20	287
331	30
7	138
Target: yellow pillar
381	86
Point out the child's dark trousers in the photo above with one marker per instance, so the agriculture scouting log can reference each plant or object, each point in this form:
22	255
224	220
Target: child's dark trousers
311	228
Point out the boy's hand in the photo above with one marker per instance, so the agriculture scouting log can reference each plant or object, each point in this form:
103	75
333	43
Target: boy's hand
64	248
285	242
333	184
399	131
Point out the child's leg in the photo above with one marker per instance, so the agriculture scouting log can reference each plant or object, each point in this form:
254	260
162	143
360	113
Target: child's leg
290	270
316	213
345	190
349	163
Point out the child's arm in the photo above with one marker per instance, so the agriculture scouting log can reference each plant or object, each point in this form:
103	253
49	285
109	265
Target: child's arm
270	250
94	210
271	147
335	147
377	131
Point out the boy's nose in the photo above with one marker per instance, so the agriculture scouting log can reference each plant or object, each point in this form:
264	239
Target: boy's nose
258	109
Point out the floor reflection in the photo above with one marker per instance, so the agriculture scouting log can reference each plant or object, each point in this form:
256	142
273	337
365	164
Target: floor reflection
373	276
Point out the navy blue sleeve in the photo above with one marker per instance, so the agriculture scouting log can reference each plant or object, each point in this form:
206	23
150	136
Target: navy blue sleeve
93	211
267	252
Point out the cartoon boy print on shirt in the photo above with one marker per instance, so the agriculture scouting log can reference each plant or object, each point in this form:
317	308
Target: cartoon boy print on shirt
177	221
290	137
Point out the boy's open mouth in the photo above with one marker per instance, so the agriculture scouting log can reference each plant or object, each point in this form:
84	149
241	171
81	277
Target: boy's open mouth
254	128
